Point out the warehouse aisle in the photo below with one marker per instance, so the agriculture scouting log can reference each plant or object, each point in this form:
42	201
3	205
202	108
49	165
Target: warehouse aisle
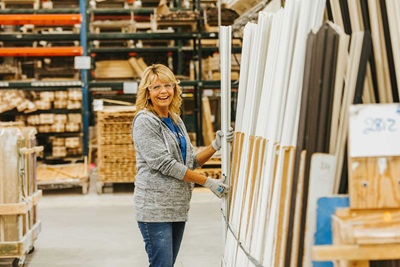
100	231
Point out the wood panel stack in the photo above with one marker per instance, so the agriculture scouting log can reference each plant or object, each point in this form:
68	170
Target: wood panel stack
297	81
116	154
19	226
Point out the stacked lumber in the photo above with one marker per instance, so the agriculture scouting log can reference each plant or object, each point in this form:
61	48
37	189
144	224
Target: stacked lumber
297	81
19	226
29	101
120	69
211	69
116	154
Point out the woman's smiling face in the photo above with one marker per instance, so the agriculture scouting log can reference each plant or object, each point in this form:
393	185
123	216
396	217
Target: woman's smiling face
161	95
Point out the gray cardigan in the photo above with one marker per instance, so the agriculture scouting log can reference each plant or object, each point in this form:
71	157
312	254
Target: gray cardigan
160	193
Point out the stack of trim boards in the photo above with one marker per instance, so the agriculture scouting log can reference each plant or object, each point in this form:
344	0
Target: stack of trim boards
382	19
19	226
297	81
270	77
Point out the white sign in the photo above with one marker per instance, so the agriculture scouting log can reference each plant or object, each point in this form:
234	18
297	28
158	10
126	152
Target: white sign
374	130
130	87
82	63
97	104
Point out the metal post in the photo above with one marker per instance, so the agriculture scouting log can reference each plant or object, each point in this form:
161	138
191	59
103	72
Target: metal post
84	78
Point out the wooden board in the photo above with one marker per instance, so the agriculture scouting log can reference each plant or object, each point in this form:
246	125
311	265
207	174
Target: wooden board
379	47
393	11
356	252
374	182
208	129
294	239
362	227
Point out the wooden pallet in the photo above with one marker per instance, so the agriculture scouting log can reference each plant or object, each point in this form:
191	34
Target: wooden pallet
63	176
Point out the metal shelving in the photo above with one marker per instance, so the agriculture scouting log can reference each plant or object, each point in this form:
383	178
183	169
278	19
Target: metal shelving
48	18
88	85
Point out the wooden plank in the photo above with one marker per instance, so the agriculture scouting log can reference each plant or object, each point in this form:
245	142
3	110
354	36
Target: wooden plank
393	10
388	49
326	96
361	227
288	154
338	90
257	148
208	129
294	251
356	252
255	193
348	96
381	60
14	209
373	182
237	152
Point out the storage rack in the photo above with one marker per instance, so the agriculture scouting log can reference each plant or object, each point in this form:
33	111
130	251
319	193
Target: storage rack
89	86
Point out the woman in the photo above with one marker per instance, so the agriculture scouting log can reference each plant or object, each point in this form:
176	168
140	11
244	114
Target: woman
165	161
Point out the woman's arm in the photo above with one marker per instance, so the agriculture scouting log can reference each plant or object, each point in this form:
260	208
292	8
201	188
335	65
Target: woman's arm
194	177
203	156
215	185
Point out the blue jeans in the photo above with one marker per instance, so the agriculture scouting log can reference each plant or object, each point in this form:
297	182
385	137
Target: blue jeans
162	241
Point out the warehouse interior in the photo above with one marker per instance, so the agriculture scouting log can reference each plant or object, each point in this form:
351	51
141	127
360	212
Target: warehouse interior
311	88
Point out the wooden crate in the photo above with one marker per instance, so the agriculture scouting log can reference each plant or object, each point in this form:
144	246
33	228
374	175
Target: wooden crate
11	140
19	226
366	226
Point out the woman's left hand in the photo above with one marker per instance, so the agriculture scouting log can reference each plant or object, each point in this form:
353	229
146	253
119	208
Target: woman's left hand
217	143
230	135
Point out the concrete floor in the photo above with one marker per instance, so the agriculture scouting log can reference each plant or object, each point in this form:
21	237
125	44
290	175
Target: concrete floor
100	231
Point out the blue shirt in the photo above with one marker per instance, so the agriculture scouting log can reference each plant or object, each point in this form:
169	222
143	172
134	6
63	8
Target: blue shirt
179	136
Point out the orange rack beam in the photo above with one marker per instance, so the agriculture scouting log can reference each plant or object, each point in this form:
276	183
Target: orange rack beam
40	51
41	19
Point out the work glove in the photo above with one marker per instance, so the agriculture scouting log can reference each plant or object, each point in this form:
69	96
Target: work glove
217	143
216	186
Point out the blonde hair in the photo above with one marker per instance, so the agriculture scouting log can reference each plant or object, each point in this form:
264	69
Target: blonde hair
149	76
